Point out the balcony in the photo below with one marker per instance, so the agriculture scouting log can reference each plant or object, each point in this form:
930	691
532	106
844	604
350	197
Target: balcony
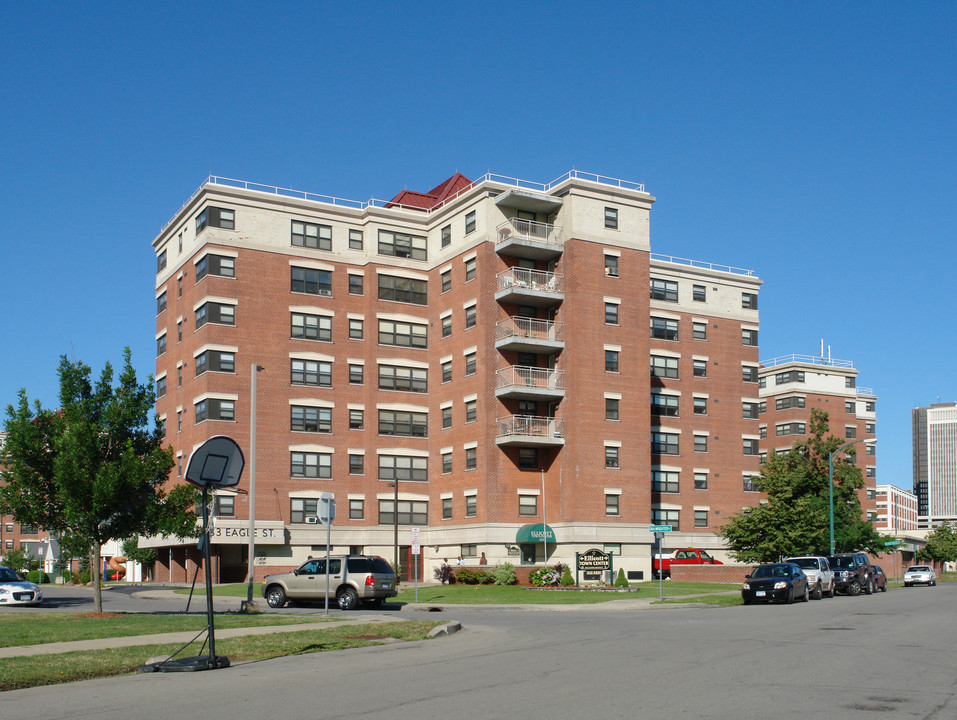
530	383
522	334
530	287
529	239
529	431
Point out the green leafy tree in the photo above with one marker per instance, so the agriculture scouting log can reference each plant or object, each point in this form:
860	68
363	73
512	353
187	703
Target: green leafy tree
941	544
794	518
94	470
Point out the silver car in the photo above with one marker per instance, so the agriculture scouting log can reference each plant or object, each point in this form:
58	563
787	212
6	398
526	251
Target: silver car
923	574
820	577
14	590
352	579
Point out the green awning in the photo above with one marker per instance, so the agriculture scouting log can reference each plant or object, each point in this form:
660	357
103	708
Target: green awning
535	533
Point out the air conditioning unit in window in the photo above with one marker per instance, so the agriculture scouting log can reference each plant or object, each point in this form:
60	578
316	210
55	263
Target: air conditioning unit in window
324	291
311	520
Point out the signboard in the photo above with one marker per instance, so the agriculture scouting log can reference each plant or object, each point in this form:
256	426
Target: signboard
416	536
592	560
416	549
892	543
659	528
326	509
236	532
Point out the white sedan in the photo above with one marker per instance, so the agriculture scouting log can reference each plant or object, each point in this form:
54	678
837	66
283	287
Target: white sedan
14	591
920	574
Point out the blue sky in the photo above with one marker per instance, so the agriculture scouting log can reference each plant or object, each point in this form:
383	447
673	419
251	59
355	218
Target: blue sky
811	142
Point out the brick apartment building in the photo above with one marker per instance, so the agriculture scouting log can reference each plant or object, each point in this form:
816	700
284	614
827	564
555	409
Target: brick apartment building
479	352
896	509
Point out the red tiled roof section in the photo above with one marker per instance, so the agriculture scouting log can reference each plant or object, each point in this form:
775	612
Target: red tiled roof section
427	200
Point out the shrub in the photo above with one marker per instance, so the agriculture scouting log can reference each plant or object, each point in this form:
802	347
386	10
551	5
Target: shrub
38	577
85	577
621	581
504	574
471	577
567	578
544	577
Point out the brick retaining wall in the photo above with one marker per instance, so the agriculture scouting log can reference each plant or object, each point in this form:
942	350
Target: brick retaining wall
710	573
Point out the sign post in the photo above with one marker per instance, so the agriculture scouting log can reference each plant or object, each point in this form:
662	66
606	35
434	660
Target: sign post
416	551
659	531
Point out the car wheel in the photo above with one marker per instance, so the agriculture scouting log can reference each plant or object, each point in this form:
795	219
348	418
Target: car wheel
884	588
807	594
830	592
854	588
745	601
347	599
818	592
868	587
790	597
275	596
934	583
907	584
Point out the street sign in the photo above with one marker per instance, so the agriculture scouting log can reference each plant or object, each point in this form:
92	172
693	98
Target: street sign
659	528
891	543
326	509
416	549
415	536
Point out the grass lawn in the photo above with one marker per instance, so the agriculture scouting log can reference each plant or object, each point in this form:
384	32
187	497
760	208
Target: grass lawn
22	672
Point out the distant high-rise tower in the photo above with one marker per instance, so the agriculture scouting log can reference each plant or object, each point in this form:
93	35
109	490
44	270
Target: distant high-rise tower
935	461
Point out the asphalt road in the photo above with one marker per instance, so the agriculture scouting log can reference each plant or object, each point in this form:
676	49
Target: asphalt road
889	655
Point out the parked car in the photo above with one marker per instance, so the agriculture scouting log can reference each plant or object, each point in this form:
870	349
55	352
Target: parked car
14	590
879	579
353	579
923	574
851	573
820	577
778	581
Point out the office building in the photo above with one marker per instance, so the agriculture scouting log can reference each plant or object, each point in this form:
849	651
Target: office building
934	437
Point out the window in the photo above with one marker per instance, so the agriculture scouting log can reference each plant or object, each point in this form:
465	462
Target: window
301	508
699	330
161	261
310	419
664	481
612	504
446	281
311	327
161	345
179	376
701	443
310	465
850	382
215	361
611	313
447	508
749	337
357	464
871	471
470	222
311	236
700	368
850	432
470	364
664	405
311	281
161	302
356	284
356	326
447	326
446	463
750	446
749	301
701	518
469	317
160	387
356	419
700	405
404	424
611	265
356	373
664	367
471	458
224	506
447	371
749	373
789	376
748	484
665	517
701	481
403	468
411	512
611	218
528	458
355	240
664	329
664	443
664	290
311	372
528	505
402	245
401	377
749	410
762	382
215	217
611	457
403	289
611	361
403	334
446	236
763	432
870	428
794	428
870	450
698	293
869	406
357	509
469	269
215	265
850	406
788	402
216	313
471	509
470	411
611	408
179	331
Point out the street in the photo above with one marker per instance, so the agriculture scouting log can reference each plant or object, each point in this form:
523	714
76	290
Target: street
889	653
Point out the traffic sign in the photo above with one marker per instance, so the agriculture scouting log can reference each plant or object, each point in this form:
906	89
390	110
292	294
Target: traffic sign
659	528
891	543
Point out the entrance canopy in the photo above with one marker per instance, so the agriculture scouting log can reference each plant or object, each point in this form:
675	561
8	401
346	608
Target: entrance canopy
535	533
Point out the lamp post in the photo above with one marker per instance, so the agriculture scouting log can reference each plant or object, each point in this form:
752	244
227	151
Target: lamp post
252	482
395	528
830	480
544	526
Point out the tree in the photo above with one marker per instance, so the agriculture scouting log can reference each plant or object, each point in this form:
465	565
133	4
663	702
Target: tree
941	545
794	519
94	470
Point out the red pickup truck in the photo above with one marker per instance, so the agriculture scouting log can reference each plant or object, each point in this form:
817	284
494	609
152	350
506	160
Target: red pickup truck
661	565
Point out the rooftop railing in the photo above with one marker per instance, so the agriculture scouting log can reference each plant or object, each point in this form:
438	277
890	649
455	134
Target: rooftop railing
807	360
701	264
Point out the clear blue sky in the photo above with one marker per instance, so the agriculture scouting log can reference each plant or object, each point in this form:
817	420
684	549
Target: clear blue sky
812	142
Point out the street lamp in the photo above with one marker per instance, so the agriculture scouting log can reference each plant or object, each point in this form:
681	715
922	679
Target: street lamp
830	479
252	484
395	528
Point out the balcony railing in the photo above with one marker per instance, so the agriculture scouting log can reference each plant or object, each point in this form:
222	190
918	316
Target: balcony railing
530	230
530	328
528	425
530	280
531	378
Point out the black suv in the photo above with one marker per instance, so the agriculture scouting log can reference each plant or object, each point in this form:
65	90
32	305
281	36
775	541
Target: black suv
852	573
